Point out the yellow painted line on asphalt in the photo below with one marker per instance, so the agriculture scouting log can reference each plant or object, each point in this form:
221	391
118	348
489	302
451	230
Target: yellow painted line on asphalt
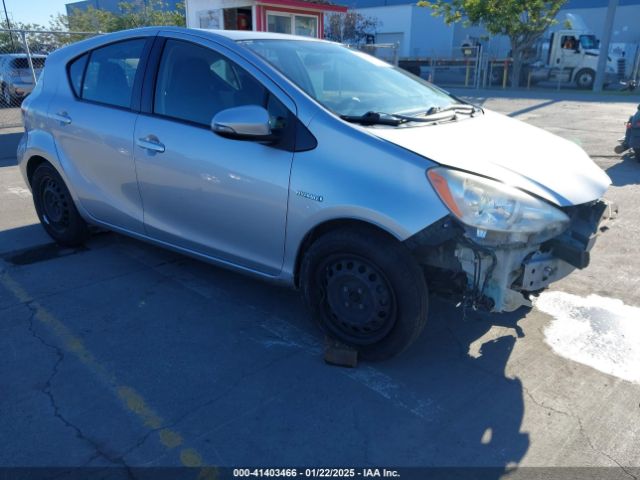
129	397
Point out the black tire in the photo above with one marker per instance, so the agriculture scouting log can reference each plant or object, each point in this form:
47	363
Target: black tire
585	79
55	208
365	290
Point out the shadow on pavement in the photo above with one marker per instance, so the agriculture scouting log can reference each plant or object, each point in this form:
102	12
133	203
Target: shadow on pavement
228	362
625	172
532	108
461	364
8	146
23	238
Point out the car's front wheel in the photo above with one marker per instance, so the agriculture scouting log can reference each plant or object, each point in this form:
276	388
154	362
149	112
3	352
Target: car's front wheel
366	290
55	207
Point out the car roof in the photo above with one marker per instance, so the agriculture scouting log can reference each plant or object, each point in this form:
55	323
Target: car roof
239	35
234	35
67	52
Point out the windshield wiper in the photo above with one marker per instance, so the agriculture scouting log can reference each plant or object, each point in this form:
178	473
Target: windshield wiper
395	119
455	107
380	118
375	118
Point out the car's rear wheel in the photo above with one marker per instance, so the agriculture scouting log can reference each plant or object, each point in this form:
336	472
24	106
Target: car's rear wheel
55	207
365	290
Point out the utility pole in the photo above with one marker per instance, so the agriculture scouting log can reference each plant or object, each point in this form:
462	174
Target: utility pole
604	46
6	15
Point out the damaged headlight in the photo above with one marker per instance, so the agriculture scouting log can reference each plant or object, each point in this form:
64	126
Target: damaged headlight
488	205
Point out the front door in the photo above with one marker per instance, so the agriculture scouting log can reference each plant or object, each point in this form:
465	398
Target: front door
217	196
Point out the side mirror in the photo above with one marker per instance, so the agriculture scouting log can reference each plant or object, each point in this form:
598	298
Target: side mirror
249	122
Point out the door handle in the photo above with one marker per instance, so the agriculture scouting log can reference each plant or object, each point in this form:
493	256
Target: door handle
150	143
62	117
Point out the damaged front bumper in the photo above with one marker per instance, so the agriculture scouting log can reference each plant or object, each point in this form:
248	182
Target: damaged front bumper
501	277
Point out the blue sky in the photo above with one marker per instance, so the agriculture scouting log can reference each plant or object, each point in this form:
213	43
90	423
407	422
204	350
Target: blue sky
34	11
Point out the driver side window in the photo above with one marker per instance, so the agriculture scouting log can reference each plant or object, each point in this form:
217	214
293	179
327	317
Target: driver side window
194	83
569	42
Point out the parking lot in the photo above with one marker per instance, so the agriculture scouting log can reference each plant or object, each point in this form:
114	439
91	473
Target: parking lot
124	355
10	117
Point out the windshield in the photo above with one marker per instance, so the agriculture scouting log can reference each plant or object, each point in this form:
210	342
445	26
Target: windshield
349	82
588	42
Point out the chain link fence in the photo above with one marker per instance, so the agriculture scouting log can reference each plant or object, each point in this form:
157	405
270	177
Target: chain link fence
22	57
462	69
384	51
473	67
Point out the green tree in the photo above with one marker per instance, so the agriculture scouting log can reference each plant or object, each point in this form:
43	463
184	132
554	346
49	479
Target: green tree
350	27
523	21
12	41
150	13
132	14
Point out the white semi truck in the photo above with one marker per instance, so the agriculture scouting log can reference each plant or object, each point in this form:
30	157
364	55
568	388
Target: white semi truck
571	56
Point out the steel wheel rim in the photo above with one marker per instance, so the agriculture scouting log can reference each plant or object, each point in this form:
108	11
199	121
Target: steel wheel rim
359	302
55	205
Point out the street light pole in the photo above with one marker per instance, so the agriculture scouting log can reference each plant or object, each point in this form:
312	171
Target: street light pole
6	15
604	46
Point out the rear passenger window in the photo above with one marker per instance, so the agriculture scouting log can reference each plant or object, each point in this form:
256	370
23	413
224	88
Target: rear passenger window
111	72
76	70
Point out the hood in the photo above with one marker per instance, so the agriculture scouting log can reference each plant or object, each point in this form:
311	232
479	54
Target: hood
510	151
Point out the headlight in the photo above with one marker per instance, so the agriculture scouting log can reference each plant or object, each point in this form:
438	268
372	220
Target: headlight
488	205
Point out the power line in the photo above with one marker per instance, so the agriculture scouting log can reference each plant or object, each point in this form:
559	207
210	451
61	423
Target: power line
13	47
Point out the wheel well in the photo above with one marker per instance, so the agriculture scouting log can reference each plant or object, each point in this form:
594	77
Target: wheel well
331	226
33	163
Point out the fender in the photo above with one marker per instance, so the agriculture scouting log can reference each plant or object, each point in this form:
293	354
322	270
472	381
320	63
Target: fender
38	143
372	181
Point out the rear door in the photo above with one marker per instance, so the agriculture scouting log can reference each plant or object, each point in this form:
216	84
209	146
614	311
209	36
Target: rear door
94	116
216	196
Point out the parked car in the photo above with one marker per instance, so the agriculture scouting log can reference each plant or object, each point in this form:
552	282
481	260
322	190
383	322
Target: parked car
16	77
310	164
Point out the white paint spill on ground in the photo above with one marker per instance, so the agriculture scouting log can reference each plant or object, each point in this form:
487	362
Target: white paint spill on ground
19	191
600	332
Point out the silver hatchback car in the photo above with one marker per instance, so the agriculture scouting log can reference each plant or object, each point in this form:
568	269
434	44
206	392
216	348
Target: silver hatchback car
310	164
